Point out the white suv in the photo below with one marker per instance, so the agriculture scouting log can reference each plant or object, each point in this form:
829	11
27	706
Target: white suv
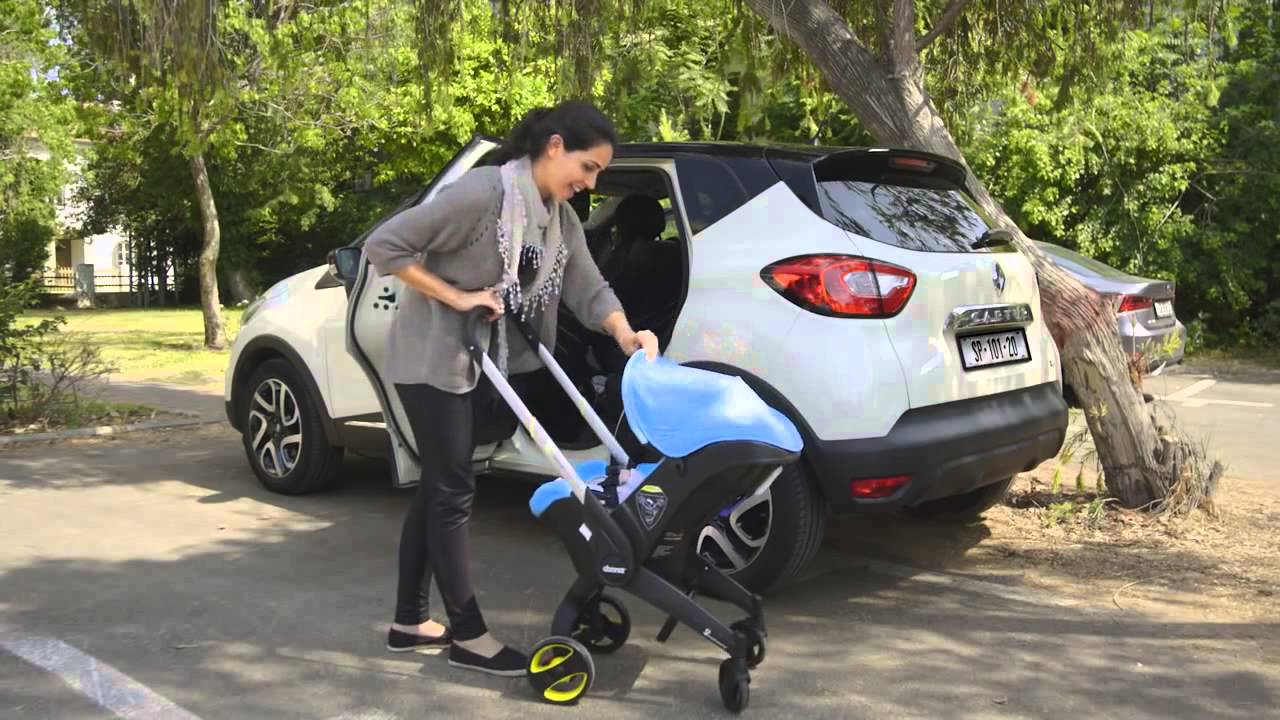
859	291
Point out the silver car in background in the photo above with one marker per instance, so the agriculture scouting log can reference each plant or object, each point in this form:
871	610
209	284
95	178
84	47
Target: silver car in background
1145	318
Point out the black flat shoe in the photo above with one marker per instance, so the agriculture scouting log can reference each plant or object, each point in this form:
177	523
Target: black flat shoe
400	642
507	663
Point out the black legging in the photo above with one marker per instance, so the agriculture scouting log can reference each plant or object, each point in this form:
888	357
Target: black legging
435	540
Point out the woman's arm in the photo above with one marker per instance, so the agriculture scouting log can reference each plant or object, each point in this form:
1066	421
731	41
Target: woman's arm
446	223
433	286
617	326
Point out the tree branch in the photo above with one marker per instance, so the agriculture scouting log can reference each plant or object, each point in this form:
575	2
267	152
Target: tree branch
903	36
881	92
948	20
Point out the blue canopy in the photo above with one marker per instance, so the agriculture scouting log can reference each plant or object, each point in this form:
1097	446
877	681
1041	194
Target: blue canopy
680	410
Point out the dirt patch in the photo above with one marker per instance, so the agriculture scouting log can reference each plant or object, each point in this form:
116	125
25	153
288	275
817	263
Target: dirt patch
1224	565
86	414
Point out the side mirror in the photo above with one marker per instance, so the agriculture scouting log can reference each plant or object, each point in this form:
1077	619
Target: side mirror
344	263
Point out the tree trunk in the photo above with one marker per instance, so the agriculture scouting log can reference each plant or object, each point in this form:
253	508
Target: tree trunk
1142	462
215	335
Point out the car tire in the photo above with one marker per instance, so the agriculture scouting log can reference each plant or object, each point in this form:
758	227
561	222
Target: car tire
793	534
1069	396
966	506
284	438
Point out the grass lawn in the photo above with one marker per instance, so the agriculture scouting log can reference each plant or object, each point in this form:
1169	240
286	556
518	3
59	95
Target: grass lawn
164	345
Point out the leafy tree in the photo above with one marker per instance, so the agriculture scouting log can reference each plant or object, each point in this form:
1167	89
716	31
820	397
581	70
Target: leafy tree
1242	245
1115	174
1168	168
181	64
36	125
129	183
335	130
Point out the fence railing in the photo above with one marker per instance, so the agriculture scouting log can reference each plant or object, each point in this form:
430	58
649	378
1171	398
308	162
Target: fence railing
62	281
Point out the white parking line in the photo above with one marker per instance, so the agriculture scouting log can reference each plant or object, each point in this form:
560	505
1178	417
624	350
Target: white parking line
109	688
1186	396
1238	403
1191	390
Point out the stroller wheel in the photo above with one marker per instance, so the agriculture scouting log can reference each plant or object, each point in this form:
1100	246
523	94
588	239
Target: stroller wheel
604	625
560	670
735	685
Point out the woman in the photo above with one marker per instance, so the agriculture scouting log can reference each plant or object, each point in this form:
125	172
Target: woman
501	237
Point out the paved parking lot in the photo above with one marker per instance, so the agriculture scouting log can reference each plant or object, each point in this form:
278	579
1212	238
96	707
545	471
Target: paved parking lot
1236	412
150	576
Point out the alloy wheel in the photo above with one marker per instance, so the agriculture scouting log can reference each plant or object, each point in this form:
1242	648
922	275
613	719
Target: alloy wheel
275	424
737	535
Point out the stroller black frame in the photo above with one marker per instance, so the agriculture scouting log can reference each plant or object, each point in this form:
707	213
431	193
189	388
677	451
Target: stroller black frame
644	545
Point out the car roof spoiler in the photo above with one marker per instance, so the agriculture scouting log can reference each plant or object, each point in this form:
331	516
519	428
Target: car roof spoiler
802	170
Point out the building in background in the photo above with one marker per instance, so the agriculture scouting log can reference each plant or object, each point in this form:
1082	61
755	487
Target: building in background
105	257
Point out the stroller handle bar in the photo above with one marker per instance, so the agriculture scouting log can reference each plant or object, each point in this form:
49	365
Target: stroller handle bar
530	423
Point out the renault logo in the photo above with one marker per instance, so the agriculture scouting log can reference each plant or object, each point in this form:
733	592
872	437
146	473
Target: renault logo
997	279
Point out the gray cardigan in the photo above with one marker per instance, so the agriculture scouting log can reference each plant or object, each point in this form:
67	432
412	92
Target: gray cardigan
455	236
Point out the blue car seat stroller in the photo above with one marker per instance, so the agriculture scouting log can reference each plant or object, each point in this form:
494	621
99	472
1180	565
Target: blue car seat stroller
634	527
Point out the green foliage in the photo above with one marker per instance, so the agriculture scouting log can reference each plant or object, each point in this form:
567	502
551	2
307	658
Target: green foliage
331	136
20	346
46	375
1059	513
16	337
1269	324
1168	170
1152	148
1242	220
36	127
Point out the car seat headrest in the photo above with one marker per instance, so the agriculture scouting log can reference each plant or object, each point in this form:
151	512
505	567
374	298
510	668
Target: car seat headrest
640	217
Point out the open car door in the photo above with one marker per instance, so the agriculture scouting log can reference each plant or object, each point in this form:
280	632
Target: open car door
370	308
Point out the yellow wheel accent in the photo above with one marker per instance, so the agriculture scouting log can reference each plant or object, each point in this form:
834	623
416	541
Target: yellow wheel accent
549	656
560	670
567	689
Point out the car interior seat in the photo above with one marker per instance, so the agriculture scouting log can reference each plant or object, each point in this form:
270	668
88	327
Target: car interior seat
634	266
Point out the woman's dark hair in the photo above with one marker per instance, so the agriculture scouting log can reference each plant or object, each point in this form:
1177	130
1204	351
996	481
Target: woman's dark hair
580	124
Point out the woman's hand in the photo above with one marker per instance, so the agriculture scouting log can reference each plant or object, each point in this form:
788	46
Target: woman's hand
465	302
431	285
630	340
633	341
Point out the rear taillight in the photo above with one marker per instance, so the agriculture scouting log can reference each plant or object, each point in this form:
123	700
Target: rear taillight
876	488
1131	303
842	286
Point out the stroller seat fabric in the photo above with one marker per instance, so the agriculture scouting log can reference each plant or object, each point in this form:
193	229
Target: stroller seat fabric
680	410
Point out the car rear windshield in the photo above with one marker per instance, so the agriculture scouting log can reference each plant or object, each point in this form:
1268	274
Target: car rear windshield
1083	264
913	218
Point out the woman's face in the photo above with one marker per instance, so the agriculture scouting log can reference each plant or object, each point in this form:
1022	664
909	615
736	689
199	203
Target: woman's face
562	173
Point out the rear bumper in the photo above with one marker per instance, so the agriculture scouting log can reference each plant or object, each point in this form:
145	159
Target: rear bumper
1135	337
946	449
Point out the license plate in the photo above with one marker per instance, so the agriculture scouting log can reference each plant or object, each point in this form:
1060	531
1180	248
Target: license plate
994	349
1164	308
